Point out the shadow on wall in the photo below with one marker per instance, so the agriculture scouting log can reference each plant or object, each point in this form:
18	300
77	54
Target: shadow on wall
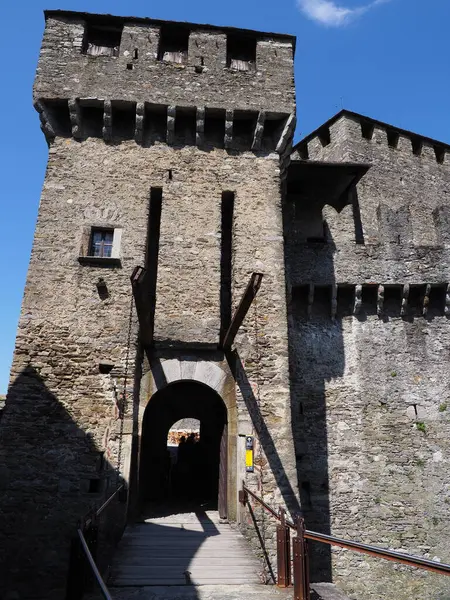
51	475
264	436
316	354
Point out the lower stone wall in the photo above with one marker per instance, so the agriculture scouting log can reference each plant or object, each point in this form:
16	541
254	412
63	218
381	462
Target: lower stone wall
59	442
371	421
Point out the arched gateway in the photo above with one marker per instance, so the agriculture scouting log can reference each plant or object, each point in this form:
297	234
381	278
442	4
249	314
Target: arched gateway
191	475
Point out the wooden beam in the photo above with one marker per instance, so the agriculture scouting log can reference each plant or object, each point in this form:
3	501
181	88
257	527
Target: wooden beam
242	310
139	284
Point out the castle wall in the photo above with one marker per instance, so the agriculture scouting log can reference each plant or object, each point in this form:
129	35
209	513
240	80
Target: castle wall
370	387
63	66
67	330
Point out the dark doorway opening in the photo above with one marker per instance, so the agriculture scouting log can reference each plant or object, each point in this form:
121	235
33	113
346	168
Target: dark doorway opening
187	474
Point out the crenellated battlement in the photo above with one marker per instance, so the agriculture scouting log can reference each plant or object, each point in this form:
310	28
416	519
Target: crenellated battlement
148	124
332	140
176	64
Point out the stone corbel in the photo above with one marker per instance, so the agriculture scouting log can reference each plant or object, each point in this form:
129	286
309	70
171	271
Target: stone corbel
139	128
46	126
171	116
107	121
380	300
200	126
405	299
310	300
75	118
426	300
288	132
229	115
259	130
334	291
358	300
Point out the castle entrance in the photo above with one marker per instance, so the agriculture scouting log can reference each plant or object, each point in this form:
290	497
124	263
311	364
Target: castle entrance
183	458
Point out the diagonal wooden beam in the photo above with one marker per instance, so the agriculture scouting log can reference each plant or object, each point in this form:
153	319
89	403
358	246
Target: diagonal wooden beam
139	284
242	310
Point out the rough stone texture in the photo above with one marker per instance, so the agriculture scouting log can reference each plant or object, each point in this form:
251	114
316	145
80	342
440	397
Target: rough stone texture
371	391
356	432
70	363
64	71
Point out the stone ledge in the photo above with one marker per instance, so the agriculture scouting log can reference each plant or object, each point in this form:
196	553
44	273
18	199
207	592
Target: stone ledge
96	261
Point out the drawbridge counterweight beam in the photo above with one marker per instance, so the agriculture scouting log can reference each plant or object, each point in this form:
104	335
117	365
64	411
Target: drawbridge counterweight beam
249	295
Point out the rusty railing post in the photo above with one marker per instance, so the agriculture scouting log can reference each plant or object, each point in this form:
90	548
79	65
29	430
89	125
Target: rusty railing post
283	552
301	562
243	496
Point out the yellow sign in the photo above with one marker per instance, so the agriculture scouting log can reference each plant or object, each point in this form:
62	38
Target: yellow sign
249	454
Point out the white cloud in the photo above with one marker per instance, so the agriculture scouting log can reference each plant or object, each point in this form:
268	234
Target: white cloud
327	12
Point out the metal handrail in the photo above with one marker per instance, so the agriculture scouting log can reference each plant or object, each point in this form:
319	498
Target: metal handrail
105	504
98	577
93	514
406	559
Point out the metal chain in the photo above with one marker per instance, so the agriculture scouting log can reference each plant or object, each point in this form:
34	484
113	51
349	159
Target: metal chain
259	418
123	404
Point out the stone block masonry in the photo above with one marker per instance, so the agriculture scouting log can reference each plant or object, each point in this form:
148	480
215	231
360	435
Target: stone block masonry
170	148
368	374
149	125
203	78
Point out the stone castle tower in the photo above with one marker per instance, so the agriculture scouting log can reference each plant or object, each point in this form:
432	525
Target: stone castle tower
170	149
166	147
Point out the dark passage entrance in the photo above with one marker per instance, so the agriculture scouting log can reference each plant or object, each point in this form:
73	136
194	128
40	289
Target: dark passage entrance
187	475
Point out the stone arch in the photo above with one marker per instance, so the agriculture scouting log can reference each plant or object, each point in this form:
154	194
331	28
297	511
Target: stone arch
166	371
216	376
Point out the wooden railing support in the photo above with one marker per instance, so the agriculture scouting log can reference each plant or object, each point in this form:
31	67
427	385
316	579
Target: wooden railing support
283	552
301	562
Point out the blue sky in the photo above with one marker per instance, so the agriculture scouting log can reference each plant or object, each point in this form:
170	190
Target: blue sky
387	59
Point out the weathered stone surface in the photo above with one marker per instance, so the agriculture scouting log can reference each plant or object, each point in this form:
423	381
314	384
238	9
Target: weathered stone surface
62	66
136	129
370	391
344	387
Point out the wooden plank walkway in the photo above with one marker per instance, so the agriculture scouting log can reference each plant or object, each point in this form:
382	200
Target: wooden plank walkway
183	549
